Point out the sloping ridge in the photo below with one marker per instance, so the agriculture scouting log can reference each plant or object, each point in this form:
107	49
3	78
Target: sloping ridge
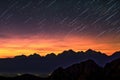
82	71
87	70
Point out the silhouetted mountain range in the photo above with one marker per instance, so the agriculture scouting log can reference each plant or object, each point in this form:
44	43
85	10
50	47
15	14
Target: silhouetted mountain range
39	64
87	70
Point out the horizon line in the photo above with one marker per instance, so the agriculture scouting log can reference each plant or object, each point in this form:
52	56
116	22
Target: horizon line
84	51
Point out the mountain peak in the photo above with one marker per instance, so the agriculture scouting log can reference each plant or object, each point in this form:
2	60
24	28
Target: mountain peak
90	51
69	51
117	53
34	55
20	56
50	55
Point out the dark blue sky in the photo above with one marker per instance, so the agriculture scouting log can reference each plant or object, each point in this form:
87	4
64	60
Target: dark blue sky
82	17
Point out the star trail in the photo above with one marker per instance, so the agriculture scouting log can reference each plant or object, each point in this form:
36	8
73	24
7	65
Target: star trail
45	26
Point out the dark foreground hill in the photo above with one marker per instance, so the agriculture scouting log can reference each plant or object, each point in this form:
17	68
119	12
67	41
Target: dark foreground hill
38	64
87	70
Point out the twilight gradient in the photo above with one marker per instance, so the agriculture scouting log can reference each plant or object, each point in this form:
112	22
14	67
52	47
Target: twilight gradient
46	26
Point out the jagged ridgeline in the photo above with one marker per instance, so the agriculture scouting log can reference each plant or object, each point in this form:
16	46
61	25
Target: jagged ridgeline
45	65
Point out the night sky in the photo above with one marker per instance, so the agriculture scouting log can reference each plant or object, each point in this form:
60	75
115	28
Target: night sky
46	26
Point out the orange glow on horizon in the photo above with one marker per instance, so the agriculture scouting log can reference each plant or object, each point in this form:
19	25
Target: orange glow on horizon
18	46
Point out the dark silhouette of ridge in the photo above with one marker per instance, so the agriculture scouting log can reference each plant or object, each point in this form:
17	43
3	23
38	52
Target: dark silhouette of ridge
86	70
78	71
115	55
112	70
46	64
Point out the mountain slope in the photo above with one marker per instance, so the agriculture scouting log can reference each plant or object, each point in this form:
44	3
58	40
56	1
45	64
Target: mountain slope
38	64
